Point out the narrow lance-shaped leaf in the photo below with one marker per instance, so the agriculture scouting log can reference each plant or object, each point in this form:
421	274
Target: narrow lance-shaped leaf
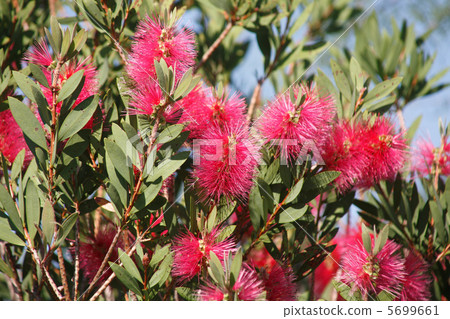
10	208
78	117
70	85
48	221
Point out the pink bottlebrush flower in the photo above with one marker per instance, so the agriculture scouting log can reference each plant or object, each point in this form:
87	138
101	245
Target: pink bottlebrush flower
294	127
416	286
330	266
154	39
344	152
428	158
192	253
12	140
202	109
373	274
145	97
386	150
209	292
248	286
39	54
94	251
279	283
227	163
261	258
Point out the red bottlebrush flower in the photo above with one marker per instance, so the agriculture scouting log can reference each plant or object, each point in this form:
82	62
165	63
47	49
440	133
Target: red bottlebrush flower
209	292
428	158
373	274
225	162
202	109
155	40
261	258
248	287
386	151
192	253
12	140
293	127
39	54
94	251
145	97
416	286
279	284
330	266
344	152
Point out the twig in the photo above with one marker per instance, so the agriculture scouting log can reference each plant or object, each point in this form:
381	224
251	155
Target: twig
77	254
104	263
62	270
214	46
55	89
401	119
112	276
254	100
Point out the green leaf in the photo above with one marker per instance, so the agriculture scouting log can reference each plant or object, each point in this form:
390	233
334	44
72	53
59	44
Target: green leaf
381	239
70	85
346	292
301	20
48	221
169	133
159	255
78	117
32	209
183	85
382	89
169	166
66	227
18	164
356	74
129	265
291	214
320	181
123	140
226	232
216	269
161	275
341	80
385	296
236	266
79	39
294	192
118	160
256	208
39	75
4	268
66	42
437	214
413	128
186	293
28	122
125	278
56	34
367	241
7	234
11	209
